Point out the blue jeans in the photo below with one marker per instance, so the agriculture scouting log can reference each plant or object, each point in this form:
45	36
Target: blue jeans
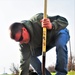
61	54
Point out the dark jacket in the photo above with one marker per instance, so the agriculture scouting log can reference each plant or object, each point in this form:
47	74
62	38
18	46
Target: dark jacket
35	30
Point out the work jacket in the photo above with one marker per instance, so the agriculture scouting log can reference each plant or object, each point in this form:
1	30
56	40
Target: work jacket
35	30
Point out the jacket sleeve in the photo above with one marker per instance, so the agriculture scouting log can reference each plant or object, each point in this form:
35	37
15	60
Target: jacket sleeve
25	59
58	22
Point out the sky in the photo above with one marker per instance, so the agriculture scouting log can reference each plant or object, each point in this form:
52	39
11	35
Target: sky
17	10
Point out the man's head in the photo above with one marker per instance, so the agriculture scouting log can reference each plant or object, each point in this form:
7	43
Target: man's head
19	33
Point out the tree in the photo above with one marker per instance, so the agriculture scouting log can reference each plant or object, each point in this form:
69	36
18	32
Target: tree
14	69
71	63
51	68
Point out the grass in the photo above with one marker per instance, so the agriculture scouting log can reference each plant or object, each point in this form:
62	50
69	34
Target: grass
69	73
53	73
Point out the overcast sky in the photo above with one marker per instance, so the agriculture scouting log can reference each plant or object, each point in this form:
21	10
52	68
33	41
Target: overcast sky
17	10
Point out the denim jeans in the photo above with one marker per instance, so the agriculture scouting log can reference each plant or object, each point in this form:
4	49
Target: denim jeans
61	54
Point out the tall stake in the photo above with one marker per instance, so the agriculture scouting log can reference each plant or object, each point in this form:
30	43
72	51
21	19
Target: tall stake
44	39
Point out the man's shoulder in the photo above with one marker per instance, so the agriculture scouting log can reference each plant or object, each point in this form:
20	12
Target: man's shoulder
36	18
38	15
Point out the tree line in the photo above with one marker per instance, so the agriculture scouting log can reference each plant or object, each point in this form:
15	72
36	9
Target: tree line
71	66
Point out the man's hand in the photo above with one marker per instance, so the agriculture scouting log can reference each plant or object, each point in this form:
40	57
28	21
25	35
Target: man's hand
46	23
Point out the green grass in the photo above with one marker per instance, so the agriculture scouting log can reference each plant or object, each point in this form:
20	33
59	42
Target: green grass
69	73
53	73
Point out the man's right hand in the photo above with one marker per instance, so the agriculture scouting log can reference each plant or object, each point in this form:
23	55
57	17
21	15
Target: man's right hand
46	23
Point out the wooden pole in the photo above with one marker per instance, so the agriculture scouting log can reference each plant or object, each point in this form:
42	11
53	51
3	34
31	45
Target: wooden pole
44	39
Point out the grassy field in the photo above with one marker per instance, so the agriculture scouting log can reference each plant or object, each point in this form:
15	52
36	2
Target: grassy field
69	73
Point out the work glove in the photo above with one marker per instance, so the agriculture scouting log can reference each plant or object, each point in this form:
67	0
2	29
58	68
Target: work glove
46	23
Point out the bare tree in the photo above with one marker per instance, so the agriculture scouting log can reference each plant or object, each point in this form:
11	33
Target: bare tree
71	63
14	69
51	68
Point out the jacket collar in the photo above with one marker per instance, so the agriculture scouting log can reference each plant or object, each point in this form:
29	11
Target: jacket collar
28	25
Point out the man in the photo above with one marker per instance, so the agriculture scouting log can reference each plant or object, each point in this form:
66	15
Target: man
29	34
